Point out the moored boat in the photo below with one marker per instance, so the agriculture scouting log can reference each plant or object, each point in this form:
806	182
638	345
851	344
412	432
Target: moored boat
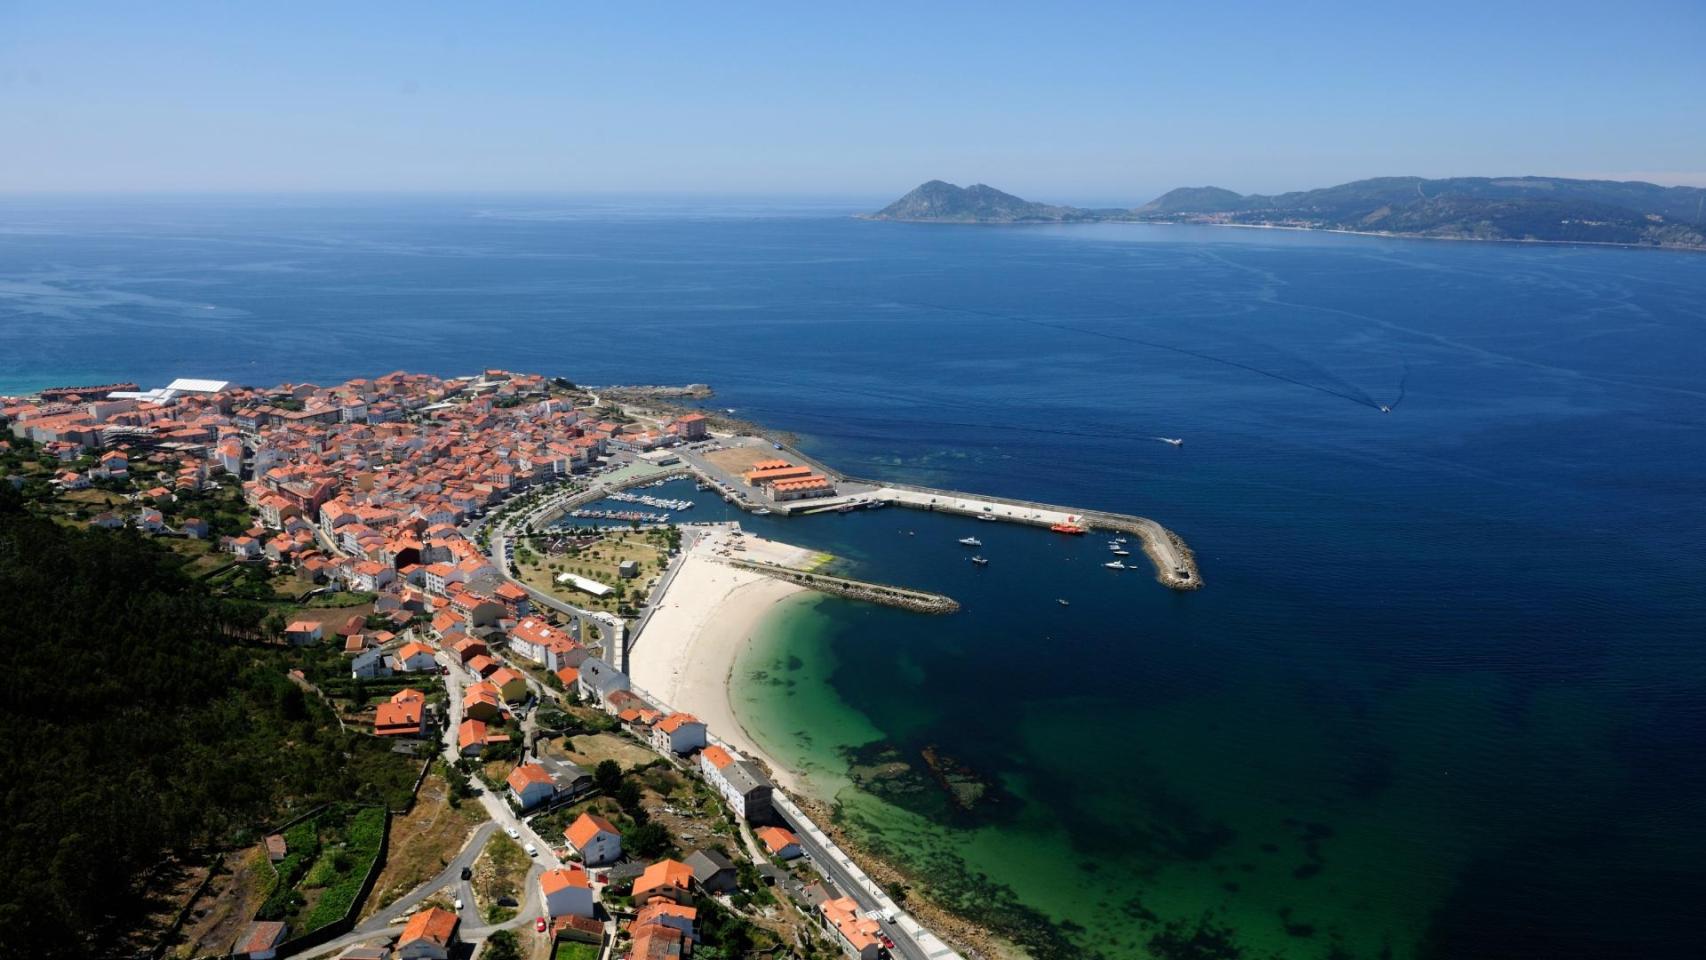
971	541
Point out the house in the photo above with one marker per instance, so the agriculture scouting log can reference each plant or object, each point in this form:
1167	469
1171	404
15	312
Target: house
532	638
713	872
194	527
857	933
666	879
277	848
473	737
566	892
531	785
483	665
483	702
655	941
510	683
678	733
780	842
369	663
581	929
403	716
745	787
414	658
596	839
244	547
260	941
428	935
598	680
664	913
465	647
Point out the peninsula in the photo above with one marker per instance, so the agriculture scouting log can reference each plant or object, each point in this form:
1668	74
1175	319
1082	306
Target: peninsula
1534	209
478	555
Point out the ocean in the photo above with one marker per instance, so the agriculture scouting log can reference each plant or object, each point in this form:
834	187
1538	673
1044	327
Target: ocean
1443	694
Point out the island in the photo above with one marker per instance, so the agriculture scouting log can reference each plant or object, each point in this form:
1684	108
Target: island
420	661
1530	209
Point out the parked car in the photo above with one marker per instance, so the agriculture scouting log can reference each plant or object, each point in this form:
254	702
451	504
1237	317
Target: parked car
532	850
539	925
467	873
514	834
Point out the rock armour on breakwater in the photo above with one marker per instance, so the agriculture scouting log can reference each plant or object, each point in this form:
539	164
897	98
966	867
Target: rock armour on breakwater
917	601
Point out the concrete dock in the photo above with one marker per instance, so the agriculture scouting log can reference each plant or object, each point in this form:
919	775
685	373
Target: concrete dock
1175	565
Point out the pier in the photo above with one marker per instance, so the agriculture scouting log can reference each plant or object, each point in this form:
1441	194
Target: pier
1175	565
917	601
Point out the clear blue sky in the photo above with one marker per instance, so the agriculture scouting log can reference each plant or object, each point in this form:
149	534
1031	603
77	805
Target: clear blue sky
1060	101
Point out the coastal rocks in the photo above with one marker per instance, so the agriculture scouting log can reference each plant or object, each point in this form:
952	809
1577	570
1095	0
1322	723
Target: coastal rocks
928	782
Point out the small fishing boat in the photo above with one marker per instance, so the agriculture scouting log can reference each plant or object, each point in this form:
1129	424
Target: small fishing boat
1062	601
980	561
986	516
761	512
1071	528
971	541
1122	553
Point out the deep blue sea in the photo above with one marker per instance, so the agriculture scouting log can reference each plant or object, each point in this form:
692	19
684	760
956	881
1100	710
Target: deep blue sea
1444	694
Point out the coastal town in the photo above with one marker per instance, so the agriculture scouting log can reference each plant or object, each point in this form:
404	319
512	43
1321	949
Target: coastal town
414	534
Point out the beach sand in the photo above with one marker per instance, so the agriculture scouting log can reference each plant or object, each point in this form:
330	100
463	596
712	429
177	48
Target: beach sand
706	616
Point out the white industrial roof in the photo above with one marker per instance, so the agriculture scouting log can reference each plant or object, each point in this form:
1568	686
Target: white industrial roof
191	385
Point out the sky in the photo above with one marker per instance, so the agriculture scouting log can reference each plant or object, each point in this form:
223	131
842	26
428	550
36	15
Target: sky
1060	101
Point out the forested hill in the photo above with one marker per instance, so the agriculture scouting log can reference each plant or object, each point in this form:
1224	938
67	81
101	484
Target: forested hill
1470	208
137	723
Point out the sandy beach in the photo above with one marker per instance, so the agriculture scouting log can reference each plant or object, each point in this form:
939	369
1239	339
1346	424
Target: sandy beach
707	615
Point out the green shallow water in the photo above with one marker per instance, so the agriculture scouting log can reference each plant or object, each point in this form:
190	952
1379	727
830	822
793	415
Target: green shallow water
1127	828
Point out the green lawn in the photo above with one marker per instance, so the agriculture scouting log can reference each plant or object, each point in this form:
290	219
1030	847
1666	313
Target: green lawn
574	950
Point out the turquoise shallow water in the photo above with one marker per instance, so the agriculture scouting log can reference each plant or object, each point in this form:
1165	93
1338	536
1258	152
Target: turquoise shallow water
1443	696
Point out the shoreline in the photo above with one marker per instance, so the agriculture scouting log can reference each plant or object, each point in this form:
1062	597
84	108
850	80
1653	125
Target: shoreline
687	654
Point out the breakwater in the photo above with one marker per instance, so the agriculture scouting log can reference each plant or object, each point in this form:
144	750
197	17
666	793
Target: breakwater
917	601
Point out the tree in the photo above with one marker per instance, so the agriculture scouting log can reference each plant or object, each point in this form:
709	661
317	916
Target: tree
628	795
646	840
502	945
607	776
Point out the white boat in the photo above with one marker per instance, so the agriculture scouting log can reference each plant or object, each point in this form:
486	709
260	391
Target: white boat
986	516
980	561
1114	565
971	541
1063	602
1122	553
760	512
1175	441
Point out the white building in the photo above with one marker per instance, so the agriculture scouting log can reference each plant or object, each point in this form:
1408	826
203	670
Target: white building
566	892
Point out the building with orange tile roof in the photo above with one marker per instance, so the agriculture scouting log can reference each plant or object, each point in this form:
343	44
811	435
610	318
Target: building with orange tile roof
482	702
400	719
531	785
596	839
429	935
678	733
566	891
780	842
857	933
668	879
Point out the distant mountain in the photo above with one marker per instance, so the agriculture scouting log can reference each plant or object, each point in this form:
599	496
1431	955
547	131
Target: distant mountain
941	202
1470	208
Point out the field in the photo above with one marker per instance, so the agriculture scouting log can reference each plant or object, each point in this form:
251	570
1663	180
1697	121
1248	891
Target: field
588	749
738	460
319	878
423	842
498	874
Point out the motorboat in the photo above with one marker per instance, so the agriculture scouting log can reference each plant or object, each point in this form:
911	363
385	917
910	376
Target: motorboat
980	561
971	541
1114	565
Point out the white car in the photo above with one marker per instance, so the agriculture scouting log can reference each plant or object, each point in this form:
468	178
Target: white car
458	904
514	834
532	850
